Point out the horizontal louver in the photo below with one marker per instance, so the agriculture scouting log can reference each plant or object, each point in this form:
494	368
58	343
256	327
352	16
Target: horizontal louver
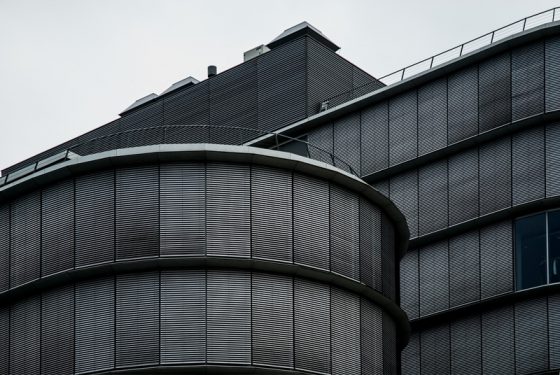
228	210
229	317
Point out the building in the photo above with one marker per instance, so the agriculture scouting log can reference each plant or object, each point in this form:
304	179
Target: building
145	247
466	145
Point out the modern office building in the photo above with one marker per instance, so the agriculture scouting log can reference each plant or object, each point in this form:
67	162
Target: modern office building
157	248
148	248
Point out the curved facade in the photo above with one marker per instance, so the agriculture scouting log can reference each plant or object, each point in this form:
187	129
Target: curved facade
469	152
199	258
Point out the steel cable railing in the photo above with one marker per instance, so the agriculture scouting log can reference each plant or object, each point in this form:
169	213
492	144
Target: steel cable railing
513	28
174	134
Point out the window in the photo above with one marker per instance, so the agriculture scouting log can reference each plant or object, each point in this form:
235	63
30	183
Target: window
298	147
537	250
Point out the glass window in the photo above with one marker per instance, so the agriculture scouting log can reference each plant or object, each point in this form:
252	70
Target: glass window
554	246
530	251
298	147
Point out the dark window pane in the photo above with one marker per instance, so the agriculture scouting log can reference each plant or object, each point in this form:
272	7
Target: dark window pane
530	250
298	147
554	246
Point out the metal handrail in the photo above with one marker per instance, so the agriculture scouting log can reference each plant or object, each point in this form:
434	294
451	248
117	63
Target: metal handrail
538	19
73	151
280	139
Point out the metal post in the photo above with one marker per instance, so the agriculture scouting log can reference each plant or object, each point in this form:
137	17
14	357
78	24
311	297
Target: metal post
492	38
461	51
431	62
553	14
524	23
402	75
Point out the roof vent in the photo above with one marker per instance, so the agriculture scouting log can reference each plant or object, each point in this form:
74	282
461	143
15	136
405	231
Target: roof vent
139	102
189	81
298	30
257	51
212	70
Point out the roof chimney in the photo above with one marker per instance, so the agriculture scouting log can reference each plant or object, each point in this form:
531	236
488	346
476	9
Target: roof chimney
212	70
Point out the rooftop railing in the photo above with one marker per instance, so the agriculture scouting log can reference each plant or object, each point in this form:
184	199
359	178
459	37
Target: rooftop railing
181	134
526	23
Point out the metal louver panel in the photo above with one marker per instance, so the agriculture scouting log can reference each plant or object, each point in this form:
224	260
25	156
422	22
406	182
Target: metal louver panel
434	278
228	210
463	104
464	268
552	74
347	143
95	323
57	331
229	317
554	331
233	95
182	209
189	106
344	233
527	80
57	249
410	362
409	284
183	316
375	138
312	326
25	319
137	319
371	341
403	128
528	161
282	85
321	142
466	352
95	218
552	166
272	320
271	213
98	140
389	345
5	340
463	186
495	176
432	197
137	224
494	92
25	259
311	222
389	268
404	193
345	320
370	245
432	116
498	341
149	119
496	259
435	353
328	75
4	247
382	187
531	336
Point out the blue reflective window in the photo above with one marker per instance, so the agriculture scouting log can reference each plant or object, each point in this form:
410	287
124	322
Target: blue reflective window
554	246
530	251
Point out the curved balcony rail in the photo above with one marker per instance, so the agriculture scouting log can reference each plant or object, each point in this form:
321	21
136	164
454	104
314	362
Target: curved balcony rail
176	134
513	28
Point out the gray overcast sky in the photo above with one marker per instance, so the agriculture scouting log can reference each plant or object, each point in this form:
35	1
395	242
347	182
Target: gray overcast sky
69	66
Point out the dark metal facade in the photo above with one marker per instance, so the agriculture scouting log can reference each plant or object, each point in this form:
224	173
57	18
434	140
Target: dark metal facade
280	87
187	261
463	150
